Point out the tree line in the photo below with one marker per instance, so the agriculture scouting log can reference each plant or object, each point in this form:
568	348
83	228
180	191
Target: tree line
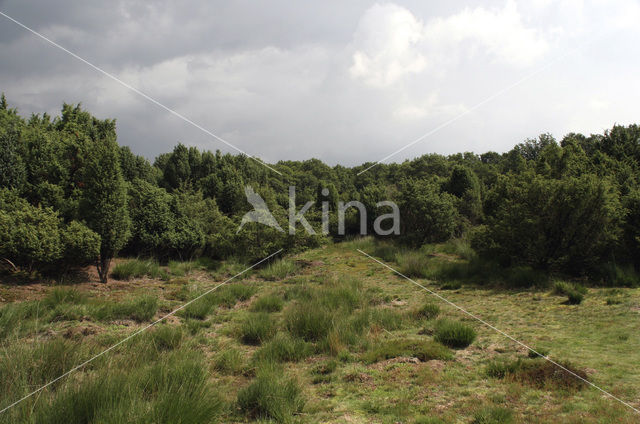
71	196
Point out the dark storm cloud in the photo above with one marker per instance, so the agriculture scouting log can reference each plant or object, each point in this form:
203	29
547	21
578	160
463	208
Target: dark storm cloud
343	81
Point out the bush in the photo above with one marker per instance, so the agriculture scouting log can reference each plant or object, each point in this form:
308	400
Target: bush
271	396
283	348
454	334
428	311
493	415
424	350
267	303
574	292
257	328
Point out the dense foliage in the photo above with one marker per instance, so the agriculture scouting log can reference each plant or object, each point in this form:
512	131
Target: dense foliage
71	195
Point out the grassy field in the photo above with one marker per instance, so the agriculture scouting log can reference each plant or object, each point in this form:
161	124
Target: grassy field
328	335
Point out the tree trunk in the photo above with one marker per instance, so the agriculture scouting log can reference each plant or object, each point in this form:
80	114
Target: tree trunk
103	269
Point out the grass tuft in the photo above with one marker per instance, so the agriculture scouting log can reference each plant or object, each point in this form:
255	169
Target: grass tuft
257	328
271	396
454	334
424	350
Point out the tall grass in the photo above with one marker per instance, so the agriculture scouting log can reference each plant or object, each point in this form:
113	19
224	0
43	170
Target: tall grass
413	264
141	308
138	268
268	303
283	348
270	396
424	350
454	334
279	270
257	328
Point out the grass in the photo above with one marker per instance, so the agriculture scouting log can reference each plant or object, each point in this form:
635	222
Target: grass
428	311
348	341
229	361
271	396
279	270
539	373
493	415
283	348
454	334
424	350
257	328
138	268
269	303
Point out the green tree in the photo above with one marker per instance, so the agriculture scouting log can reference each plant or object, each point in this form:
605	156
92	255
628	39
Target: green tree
104	199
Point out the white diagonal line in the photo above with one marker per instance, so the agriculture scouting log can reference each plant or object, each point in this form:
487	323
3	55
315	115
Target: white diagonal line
135	90
485	101
77	367
500	331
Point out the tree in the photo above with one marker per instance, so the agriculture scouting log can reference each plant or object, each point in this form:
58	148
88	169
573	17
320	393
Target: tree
104	199
427	216
567	225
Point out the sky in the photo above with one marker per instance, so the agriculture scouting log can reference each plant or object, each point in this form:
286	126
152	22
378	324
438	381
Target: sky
344	82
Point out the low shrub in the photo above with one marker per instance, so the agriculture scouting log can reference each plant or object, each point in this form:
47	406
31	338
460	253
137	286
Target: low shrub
574	298
454	334
283	348
424	350
271	396
269	303
257	328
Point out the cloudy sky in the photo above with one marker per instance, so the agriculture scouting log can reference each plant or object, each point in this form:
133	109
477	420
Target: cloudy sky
345	82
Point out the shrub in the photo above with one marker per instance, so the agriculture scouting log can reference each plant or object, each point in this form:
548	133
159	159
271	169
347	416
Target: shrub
424	350
428	311
454	334
271	396
279	270
283	348
308	321
257	328
574	292
229	361
267	303
493	415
